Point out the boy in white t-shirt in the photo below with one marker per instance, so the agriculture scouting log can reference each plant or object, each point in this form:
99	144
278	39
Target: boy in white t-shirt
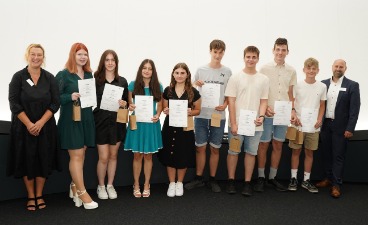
310	103
246	90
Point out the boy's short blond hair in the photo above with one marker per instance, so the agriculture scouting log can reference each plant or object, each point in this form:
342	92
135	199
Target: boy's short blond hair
311	62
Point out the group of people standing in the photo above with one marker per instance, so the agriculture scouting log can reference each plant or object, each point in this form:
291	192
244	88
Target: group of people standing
35	95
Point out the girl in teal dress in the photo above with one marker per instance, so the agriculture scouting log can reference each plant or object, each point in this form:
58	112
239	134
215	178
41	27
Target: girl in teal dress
146	139
76	136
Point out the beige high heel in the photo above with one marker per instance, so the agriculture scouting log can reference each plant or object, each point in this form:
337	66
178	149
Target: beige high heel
137	192
79	202
71	194
146	193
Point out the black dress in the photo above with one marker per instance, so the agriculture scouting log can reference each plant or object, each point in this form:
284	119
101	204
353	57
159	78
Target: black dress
108	131
33	156
179	145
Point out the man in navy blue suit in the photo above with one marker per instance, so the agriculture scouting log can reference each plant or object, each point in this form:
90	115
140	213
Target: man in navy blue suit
342	110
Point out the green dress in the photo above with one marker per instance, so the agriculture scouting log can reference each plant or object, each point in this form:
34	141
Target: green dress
74	135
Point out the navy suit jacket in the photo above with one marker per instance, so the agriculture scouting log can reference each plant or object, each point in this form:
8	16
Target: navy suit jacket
347	105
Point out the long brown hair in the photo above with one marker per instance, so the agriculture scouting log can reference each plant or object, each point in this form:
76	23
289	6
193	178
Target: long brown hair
100	73
71	64
154	84
188	83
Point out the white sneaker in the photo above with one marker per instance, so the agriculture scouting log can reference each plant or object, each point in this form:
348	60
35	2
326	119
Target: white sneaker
171	190
101	192
179	189
111	192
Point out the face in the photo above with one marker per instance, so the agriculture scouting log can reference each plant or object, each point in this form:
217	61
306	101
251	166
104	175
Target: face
339	68
147	71
216	55
180	75
280	52
110	63
35	57
311	71
250	59
81	57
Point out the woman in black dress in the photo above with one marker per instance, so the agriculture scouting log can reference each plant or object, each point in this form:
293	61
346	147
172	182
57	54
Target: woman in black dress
34	99
179	145
109	133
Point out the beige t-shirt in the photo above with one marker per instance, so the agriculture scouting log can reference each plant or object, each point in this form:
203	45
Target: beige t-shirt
248	91
281	78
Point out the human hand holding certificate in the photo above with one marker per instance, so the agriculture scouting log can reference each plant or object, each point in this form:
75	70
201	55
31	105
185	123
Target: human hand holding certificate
110	97
246	122
87	91
210	95
178	116
282	111
308	119
143	108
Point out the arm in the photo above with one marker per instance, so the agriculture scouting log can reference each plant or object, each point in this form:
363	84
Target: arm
156	117
321	112
232	115
222	107
262	111
165	106
130	101
354	107
196	108
65	97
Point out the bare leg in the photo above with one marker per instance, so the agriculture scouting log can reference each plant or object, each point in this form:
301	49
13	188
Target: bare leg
111	167
181	174
214	159
232	161
137	168
30	192
295	158
76	171
147	170
40	183
171	173
200	159
103	155
249	161
276	153
262	154
308	161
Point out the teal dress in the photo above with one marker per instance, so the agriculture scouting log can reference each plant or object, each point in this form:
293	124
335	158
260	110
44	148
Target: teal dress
74	135
147	137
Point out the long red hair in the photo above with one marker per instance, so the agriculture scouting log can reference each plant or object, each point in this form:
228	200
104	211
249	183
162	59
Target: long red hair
71	64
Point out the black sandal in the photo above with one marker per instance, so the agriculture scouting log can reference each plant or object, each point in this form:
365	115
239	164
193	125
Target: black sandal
41	205
31	207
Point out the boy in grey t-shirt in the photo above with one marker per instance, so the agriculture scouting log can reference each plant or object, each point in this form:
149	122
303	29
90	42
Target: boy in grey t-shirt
212	73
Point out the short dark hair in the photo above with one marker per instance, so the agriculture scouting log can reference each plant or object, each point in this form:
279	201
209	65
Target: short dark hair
251	49
281	41
217	44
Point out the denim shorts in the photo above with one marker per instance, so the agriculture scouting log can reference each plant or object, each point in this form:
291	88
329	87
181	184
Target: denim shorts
249	143
205	133
278	131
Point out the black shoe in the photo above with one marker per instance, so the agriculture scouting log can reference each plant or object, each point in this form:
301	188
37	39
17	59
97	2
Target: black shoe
196	183
247	189
213	185
230	187
293	186
259	186
274	183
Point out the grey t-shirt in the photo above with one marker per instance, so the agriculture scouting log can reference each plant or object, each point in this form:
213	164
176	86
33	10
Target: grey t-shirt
215	76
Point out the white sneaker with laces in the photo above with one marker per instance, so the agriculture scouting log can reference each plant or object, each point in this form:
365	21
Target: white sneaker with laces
179	189
101	192
171	189
111	192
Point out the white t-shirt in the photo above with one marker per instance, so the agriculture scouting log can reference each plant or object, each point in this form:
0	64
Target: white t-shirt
309	96
248	91
214	76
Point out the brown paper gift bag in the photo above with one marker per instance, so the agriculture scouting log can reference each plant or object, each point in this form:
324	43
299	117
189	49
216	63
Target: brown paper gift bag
299	137
291	132
133	122
215	120
190	125
122	116
234	144
76	111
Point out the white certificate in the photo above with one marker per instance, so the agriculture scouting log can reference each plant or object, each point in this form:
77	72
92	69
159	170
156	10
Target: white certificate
210	95
110	97
178	112
87	90
282	113
308	119
143	108
246	122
